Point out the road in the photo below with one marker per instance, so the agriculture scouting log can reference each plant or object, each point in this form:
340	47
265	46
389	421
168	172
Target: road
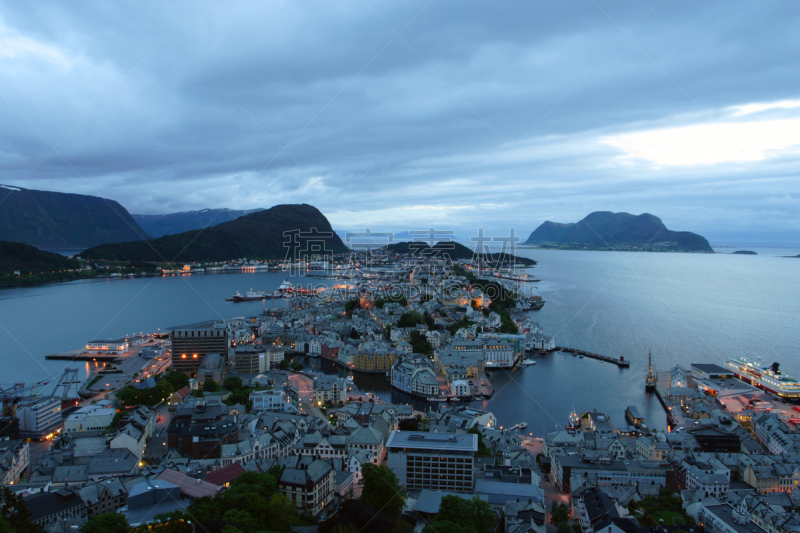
305	391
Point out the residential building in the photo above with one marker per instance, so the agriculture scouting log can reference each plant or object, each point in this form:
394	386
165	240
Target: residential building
14	459
49	508
104	496
414	375
276	399
377	360
435	461
330	389
309	489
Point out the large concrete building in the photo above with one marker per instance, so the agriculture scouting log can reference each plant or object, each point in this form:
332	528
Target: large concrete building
40	417
435	461
191	345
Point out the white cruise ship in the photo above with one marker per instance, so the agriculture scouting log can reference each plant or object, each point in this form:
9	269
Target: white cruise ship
768	378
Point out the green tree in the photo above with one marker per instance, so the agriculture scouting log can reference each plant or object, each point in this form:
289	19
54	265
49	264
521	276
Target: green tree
410	319
469	514
128	396
210	385
15	513
284	364
381	490
281	513
233	383
107	523
559	514
178	380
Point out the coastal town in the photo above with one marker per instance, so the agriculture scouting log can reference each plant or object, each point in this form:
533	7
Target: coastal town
172	420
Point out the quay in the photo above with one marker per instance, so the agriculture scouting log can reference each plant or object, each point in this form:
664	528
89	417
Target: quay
80	355
672	420
621	362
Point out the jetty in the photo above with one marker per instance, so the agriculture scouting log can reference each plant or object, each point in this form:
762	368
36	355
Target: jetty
621	362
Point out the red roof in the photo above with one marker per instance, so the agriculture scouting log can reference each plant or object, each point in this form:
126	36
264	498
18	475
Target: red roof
225	474
184	392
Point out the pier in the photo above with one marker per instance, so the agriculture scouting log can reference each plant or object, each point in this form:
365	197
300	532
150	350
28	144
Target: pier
672	420
621	362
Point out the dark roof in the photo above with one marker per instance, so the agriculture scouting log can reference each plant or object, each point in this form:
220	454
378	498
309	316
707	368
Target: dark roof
225	474
711	369
44	504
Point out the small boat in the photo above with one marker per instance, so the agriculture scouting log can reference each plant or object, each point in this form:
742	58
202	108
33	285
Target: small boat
580	356
478	398
522	425
528	362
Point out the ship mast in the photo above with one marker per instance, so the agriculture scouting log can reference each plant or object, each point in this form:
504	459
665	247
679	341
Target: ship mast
650	381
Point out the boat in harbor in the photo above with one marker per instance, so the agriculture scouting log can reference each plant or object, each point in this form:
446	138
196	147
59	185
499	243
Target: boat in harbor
574	421
522	425
650	381
528	362
248	296
532	303
768	378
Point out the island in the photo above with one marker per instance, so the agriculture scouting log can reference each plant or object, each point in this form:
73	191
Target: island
744	252
604	230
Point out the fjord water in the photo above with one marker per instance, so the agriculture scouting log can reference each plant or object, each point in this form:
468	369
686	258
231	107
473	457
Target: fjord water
685	308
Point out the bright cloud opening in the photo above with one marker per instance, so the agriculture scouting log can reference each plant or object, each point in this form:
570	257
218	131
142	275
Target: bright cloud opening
708	144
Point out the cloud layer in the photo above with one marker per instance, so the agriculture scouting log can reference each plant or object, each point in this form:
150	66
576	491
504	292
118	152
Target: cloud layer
407	115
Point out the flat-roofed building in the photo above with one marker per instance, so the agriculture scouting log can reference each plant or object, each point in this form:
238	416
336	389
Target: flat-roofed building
40	417
89	420
212	368
435	461
113	347
191	345
250	360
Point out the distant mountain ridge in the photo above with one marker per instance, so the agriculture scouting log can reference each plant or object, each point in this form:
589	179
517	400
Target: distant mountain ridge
453	250
62	221
172	223
255	236
604	230
26	258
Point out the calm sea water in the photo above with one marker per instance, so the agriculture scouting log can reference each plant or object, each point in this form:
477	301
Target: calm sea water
685	308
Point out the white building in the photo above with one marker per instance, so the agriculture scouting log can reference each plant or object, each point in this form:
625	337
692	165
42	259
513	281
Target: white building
89	419
459	387
40	417
271	400
111	347
329	389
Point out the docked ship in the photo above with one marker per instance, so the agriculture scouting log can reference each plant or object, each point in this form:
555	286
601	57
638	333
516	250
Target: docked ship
574	421
650	381
533	303
768	378
248	296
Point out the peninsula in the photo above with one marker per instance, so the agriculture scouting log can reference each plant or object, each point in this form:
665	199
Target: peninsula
604	230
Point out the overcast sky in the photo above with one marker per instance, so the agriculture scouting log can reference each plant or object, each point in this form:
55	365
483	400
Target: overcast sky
405	115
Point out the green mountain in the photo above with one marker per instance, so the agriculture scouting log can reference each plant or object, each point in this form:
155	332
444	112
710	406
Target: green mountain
28	259
259	235
60	221
604	230
172	223
454	250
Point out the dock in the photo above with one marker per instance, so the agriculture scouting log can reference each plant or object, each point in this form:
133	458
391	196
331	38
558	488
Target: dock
672	420
621	362
80	355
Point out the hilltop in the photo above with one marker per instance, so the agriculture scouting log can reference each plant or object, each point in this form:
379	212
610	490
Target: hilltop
61	221
454	250
604	230
24	257
172	223
255	236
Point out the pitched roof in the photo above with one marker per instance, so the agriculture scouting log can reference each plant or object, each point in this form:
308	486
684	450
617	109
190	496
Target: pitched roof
226	474
191	487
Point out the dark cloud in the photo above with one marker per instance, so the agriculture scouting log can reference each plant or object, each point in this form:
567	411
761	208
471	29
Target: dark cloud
472	115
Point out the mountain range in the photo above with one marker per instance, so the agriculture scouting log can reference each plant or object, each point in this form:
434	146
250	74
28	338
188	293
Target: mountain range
172	223
453	250
604	230
267	234
61	221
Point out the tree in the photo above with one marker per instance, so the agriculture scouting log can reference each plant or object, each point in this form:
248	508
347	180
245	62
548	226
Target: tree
483	451
107	523
468	514
410	319
284	364
559	514
381	490
128	396
15	513
233	383
178	380
210	385
281	513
